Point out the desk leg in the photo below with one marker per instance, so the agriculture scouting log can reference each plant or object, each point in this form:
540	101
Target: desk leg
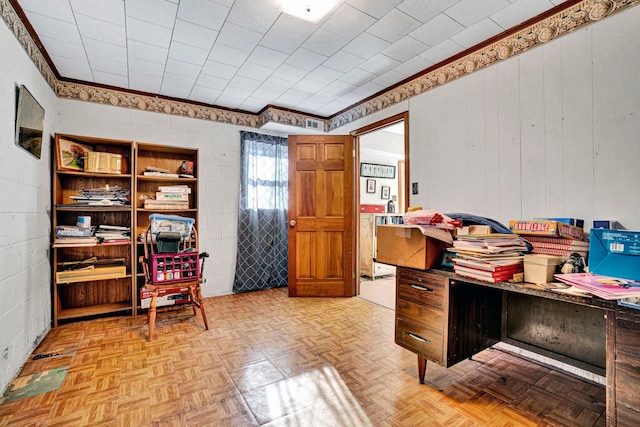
422	368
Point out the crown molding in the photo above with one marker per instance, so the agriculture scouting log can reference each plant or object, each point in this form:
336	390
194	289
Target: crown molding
571	18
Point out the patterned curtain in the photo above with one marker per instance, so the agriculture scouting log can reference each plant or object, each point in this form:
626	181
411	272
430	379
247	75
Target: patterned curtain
262	216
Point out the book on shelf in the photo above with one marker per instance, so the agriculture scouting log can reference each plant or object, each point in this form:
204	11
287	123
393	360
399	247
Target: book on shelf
165	204
61	242
174	189
161	174
72	231
91	272
161	195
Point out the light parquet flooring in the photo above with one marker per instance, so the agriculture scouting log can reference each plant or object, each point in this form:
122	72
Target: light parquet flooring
270	360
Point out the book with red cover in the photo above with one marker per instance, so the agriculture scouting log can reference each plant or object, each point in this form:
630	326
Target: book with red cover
499	276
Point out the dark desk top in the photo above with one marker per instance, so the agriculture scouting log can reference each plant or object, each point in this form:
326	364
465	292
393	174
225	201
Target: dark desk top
534	290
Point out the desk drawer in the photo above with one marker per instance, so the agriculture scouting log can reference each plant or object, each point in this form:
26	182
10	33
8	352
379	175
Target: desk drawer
423	288
420	314
420	340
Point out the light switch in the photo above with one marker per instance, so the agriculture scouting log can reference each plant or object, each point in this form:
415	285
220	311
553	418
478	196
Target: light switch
414	188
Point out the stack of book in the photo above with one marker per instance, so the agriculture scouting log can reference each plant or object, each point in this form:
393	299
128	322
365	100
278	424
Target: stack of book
558	246
91	269
169	197
160	172
112	234
107	196
488	257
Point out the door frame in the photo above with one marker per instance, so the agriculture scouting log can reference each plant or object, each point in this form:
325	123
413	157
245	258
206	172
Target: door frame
379	125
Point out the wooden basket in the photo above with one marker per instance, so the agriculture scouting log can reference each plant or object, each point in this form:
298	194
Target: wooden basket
97	162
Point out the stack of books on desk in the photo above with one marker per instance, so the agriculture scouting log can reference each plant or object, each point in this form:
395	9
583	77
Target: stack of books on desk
490	258
558	246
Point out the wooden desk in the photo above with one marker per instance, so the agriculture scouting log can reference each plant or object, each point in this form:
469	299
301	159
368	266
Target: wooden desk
446	318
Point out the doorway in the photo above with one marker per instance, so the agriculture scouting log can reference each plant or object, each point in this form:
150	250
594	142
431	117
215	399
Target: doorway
382	198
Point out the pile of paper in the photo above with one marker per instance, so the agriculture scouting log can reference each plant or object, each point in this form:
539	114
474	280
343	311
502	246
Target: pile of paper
489	257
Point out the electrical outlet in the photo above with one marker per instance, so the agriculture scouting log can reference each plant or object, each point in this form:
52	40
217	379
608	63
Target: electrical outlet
414	188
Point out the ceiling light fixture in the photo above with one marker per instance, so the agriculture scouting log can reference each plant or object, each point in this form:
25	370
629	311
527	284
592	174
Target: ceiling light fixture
308	10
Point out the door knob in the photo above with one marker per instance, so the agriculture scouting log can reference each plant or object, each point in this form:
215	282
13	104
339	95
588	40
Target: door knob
292	223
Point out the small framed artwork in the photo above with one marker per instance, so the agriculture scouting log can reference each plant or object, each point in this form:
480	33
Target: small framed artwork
70	155
29	122
371	186
386	192
377	171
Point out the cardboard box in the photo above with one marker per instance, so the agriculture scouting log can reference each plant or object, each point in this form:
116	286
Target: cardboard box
546	228
540	268
615	253
98	162
408	246
172	296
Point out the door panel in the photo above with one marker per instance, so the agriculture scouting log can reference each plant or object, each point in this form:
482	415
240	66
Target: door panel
321	215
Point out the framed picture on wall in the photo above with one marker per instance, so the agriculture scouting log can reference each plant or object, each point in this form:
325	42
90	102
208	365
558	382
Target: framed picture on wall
372	170
371	186
386	192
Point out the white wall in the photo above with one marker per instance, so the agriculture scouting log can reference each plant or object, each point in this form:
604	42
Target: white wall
551	132
25	205
384	148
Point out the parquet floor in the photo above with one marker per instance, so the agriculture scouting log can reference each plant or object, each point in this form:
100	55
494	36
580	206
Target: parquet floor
270	360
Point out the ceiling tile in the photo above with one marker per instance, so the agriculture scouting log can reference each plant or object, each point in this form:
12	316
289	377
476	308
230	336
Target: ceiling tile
246	83
146	67
482	30
366	45
413	66
332	107
147	52
289	73
255	71
194	35
158	12
309	105
252	104
178	80
348	22
389	78
283	40
444	50
229	102
405	49
277	85
145	32
424	11
379	64
393	26
218	69
106	66
293	97
266	94
519	12
438	29
324	42
305	59
105	50
73	69
64	49
182	68
375	8
349	98
144	82
228	55
211	82
468	12
106	10
266	57
175	92
343	61
188	54
206	13
324	74
238	37
204	94
368	89
101	30
55	29
235	93
308	85
357	76
116	80
338	87
53	9
257	15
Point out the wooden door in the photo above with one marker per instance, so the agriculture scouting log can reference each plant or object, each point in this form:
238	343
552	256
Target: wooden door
321	244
